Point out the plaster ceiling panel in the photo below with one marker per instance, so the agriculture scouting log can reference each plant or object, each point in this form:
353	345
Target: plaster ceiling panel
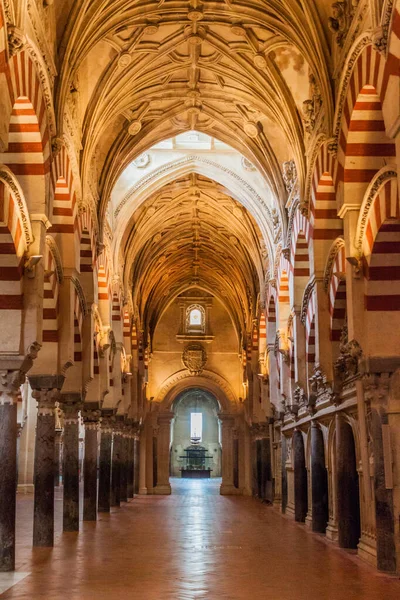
295	71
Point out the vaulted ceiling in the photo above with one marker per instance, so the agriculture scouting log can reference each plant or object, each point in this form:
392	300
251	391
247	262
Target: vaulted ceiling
135	73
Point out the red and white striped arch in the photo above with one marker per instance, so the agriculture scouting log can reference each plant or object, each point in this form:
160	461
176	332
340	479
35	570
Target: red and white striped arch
104	288
15	237
127	333
28	152
86	241
363	144
64	210
381	249
337	291
301	226
262	332
50	300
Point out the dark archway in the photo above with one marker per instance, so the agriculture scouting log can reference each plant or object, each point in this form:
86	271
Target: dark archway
300	478
348	497
319	481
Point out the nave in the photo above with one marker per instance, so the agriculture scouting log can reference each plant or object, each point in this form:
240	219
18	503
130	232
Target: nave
194	544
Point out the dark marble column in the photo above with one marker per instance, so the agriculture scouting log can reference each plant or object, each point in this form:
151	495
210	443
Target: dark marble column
300	478
91	423
136	464
58	443
13	371
46	390
284	481
71	405
105	465
131	443
116	469
8	477
124	466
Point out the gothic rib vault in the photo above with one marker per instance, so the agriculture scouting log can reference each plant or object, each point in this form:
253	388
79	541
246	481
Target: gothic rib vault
234	157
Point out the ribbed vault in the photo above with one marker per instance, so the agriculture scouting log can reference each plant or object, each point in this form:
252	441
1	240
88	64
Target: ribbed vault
192	234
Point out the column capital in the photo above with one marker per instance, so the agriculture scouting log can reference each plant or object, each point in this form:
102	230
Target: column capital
13	370
71	403
46	391
227	418
165	417
91	417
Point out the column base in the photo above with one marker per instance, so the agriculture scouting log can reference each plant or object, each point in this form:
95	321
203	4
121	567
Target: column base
332	532
367	550
290	511
143	491
25	488
308	521
162	490
228	490
245	491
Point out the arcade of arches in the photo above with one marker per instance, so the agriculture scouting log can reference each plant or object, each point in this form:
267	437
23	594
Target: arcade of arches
200	213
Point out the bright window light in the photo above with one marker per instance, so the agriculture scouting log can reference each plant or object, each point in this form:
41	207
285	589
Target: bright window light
196	425
195	317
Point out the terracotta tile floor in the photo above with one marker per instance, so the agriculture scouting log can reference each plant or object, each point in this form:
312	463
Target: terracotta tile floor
192	545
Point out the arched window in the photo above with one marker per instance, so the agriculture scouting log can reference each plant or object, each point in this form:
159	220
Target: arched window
195	319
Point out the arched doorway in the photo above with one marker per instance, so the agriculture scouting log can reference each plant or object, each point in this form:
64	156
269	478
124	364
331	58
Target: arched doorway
348	499
300	478
319	481
195	435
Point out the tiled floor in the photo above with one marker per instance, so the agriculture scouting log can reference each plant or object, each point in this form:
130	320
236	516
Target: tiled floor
192	545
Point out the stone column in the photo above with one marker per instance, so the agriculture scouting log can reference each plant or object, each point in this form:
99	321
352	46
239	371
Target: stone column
91	421
319	481
12	375
136	463
46	390
57	456
116	469
8	474
142	464
124	466
228	423
163	457
71	405
131	443
105	465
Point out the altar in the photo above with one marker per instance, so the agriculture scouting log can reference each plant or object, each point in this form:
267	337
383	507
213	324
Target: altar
196	463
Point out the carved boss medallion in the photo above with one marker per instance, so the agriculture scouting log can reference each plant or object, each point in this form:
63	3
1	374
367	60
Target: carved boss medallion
194	357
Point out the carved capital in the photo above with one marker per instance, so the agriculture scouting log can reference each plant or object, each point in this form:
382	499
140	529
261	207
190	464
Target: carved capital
16	40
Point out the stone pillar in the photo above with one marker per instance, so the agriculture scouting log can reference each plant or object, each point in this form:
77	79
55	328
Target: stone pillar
71	404
163	453
58	443
228	423
12	375
46	390
136	463
124	454
105	465
116	469
131	443
8	475
91	422
142	463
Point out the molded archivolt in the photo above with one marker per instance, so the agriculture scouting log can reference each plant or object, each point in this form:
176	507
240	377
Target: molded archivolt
208	380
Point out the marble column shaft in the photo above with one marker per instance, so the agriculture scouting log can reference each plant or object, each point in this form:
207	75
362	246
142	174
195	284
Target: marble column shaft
228	423
43	512
105	468
8	479
116	470
124	468
71	404
131	443
91	422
